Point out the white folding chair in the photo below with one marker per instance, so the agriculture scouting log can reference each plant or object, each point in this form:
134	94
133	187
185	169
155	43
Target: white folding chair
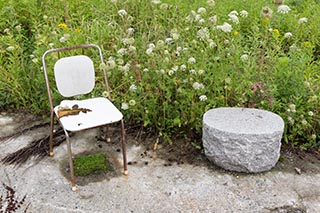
75	75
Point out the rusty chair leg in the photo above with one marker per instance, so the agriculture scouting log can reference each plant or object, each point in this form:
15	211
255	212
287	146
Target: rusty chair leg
51	134
123	141
73	179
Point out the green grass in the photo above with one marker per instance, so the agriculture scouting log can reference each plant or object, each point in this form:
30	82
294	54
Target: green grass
87	164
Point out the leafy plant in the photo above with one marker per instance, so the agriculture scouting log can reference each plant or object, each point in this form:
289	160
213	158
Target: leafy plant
10	203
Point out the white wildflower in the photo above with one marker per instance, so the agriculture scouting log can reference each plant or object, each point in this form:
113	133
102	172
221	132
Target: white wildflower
151	45
201	72
294	47
244	13
201	21
164	6
133	88
34	60
105	94
162	71
192	71
212	44
66	35
126	67
202	10
122	51
175	68
120	61
310	113
291	121
203	98
197	17
31	56
288	35
227	28
171	72
132	102
169	40
283	9
306	84
292	107
122	13
233	13
183	67
213	20
211	3
18	27
62	39
313	136
7	30
192	60
50	44
234	19
132	49
303	20
10	48
160	43
149	51
228	80
197	86
155	1
130	31
175	36
203	34
125	40
304	122
145	70
266	12
244	57
166	52
124	106
111	64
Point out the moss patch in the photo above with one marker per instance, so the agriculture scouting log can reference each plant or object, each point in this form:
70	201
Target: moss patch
87	164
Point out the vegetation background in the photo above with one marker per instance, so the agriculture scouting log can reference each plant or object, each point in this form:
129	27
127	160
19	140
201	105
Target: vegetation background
170	61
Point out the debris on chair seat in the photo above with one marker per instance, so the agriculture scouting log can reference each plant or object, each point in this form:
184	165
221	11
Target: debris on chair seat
74	111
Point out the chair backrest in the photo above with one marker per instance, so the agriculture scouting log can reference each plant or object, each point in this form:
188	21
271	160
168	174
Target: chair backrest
74	75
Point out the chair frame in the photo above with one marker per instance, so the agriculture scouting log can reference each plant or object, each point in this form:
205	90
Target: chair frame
52	113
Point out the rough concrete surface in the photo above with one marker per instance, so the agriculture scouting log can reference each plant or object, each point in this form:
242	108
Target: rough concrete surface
242	139
152	187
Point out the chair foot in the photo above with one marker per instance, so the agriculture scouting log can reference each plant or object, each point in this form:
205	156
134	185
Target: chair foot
74	188
125	172
108	140
51	154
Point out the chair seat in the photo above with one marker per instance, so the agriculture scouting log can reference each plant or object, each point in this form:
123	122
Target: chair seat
102	112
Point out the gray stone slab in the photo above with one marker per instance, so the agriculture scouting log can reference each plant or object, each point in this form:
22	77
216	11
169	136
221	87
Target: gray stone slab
242	139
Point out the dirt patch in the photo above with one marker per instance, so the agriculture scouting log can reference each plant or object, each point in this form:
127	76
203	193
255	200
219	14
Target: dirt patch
190	151
296	161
